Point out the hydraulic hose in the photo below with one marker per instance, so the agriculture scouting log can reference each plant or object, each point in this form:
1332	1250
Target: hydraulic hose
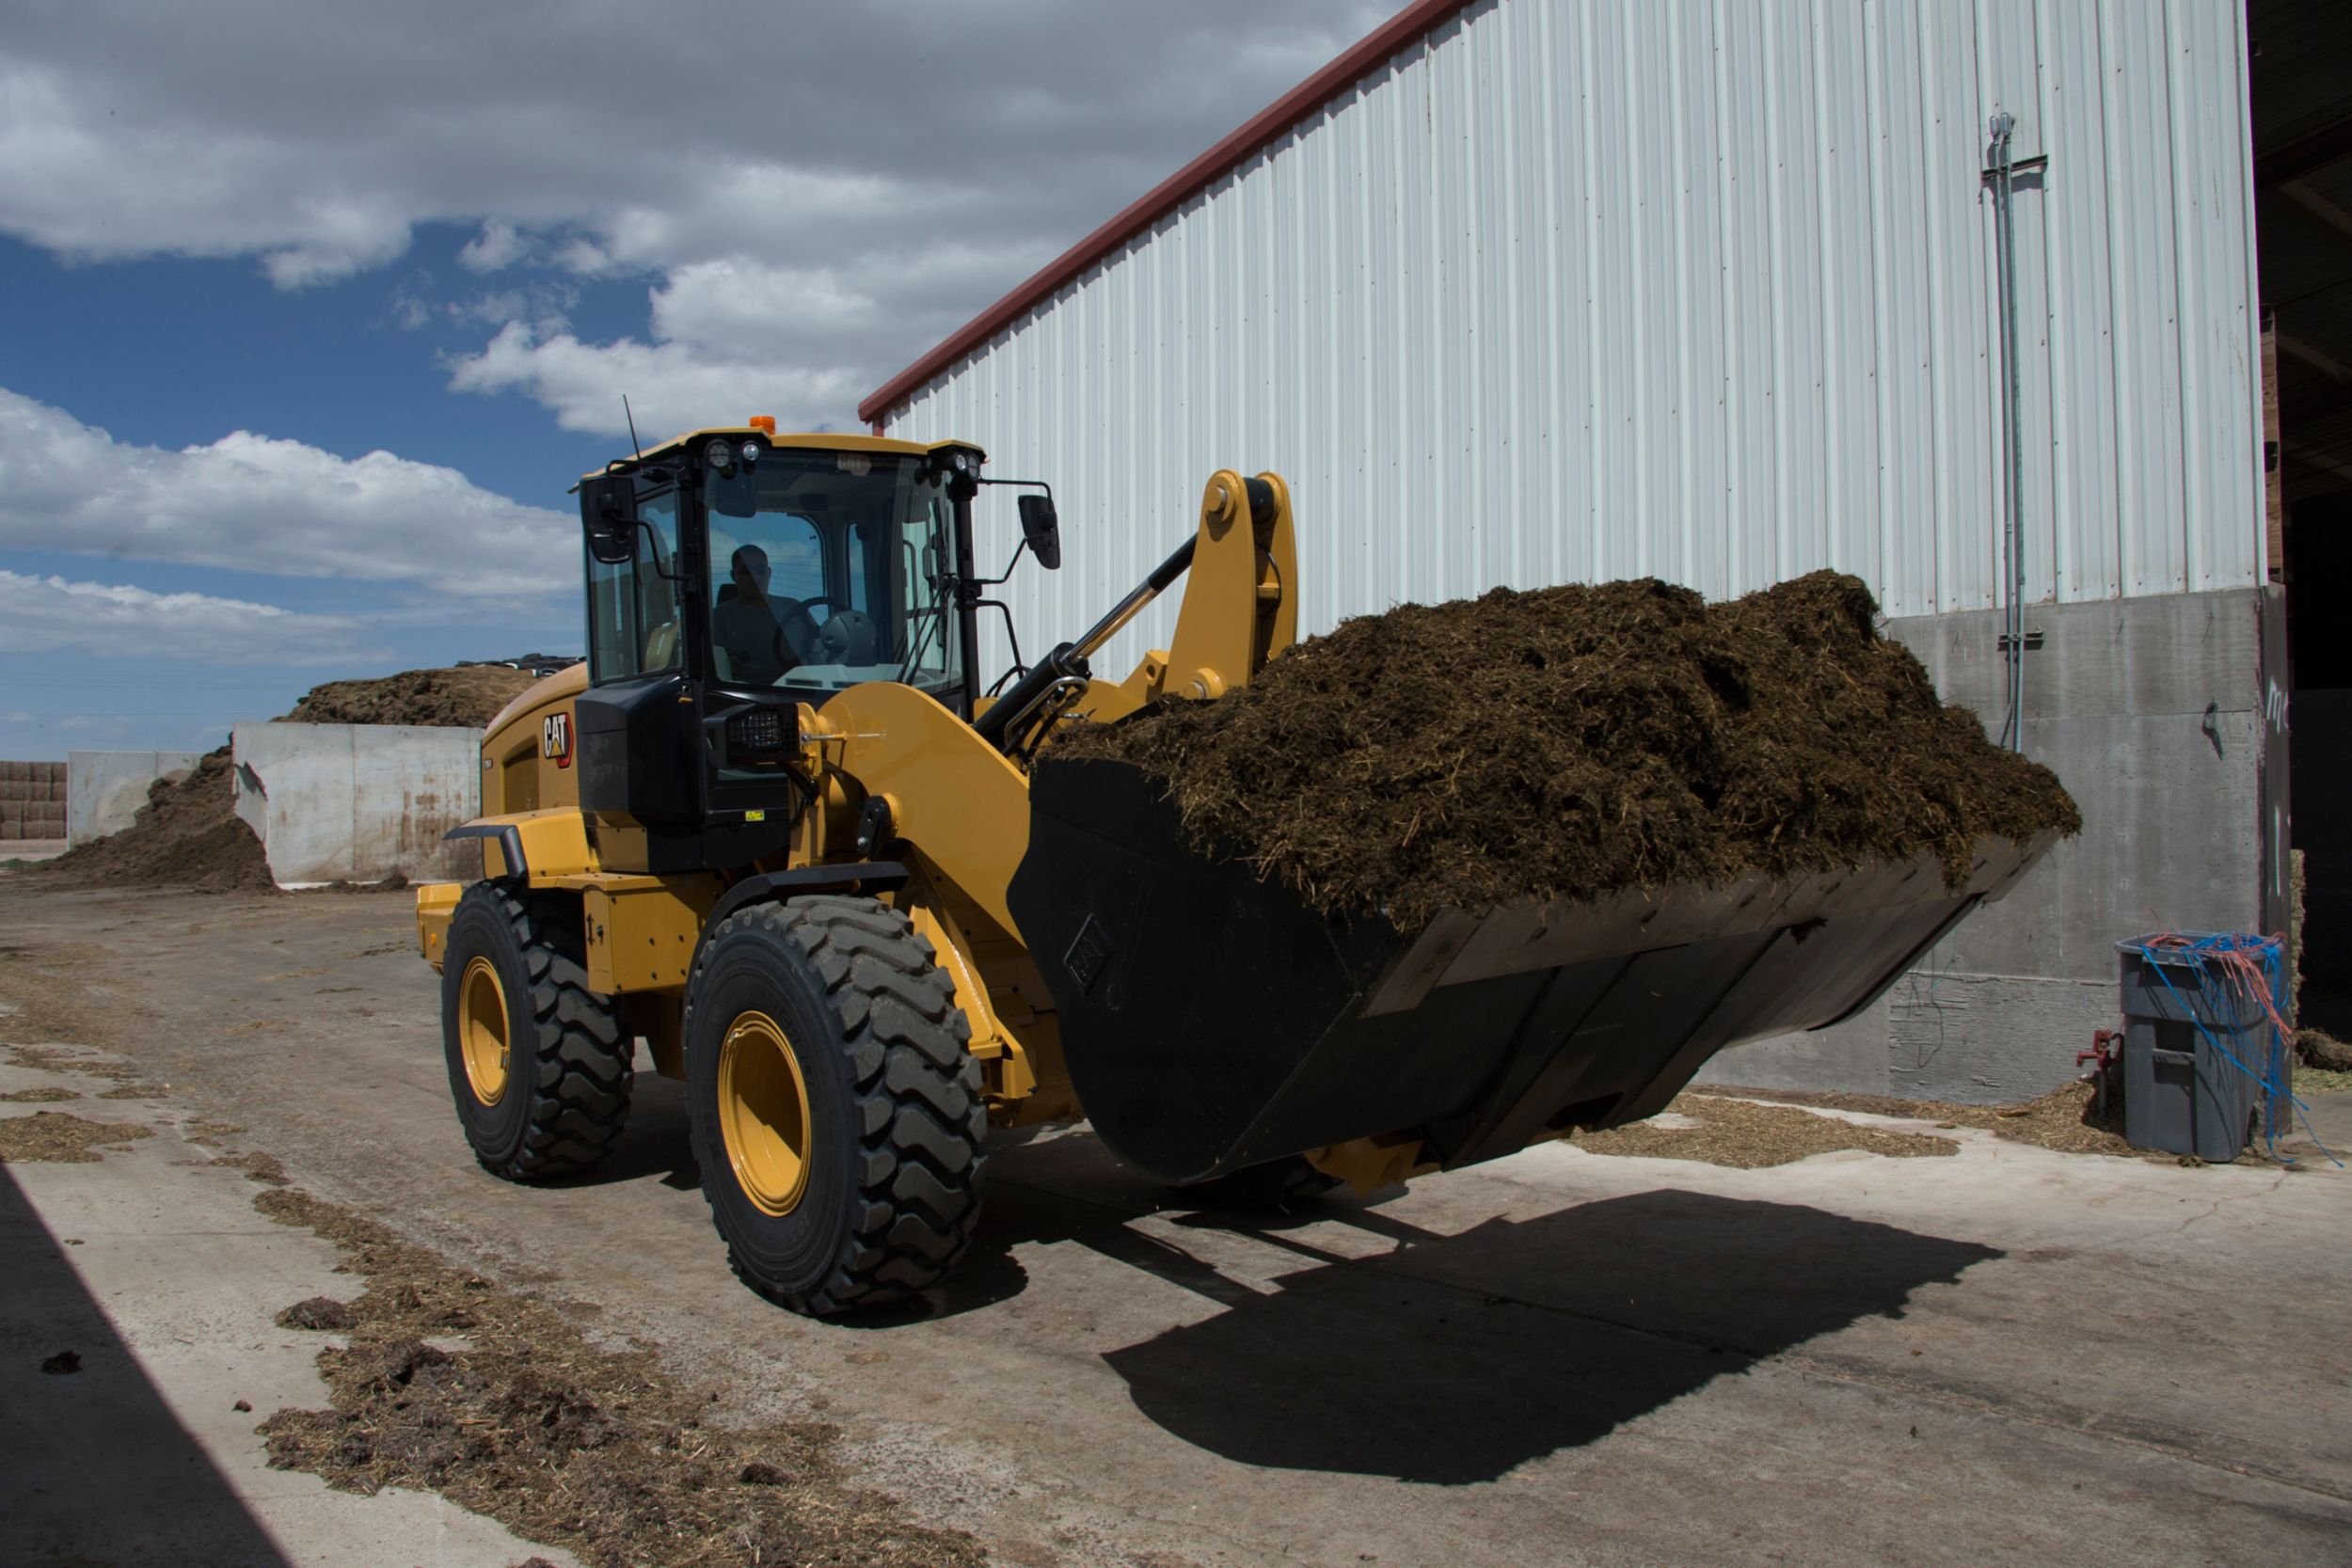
1064	663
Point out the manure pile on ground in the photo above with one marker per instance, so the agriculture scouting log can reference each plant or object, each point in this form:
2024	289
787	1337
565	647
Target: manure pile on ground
471	695
189	834
1573	740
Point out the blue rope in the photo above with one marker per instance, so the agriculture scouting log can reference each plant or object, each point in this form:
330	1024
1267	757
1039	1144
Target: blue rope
2270	955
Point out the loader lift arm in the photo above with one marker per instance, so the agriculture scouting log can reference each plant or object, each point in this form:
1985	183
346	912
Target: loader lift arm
1239	611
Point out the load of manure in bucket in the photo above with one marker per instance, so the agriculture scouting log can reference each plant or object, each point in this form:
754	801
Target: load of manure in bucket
1576	740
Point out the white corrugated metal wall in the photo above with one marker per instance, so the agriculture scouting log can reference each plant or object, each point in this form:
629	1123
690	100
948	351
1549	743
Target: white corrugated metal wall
1591	289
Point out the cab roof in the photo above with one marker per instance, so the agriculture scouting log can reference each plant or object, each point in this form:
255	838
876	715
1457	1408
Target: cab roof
825	441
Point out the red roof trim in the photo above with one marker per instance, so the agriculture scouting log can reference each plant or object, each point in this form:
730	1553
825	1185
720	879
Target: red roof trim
1404	28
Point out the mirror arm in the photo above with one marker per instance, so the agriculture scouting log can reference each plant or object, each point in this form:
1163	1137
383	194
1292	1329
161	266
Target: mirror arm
674	579
1007	576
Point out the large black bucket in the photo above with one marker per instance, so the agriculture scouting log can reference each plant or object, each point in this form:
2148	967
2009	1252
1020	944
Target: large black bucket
1210	1021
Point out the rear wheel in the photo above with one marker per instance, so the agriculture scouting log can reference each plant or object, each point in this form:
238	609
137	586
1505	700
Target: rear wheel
537	1062
836	1108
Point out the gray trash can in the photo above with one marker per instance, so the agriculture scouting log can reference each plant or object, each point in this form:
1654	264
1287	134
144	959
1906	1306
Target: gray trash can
2194	1037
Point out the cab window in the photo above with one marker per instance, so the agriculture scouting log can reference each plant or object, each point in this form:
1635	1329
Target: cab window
829	568
633	605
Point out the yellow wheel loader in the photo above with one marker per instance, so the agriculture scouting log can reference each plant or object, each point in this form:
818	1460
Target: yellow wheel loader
781	828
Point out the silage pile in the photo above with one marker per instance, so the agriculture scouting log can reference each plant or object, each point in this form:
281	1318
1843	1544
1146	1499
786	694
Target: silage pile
1574	741
189	834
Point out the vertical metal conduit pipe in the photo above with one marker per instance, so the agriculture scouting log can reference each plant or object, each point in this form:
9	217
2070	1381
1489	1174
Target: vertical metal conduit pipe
2003	126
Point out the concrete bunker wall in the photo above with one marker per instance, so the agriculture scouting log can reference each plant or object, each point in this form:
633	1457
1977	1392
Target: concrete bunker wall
359	802
105	790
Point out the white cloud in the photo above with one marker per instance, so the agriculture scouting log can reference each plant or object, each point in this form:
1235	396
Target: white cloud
838	191
499	244
251	504
670	386
728	337
47	614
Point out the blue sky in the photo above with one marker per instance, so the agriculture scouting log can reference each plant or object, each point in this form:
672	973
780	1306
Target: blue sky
315	312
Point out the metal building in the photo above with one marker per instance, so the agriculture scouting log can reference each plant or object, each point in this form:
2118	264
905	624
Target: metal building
1523	291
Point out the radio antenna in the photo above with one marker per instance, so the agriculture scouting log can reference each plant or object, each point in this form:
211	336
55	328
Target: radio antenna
632	428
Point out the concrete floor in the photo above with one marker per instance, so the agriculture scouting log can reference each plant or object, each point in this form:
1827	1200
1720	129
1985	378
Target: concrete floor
2007	1356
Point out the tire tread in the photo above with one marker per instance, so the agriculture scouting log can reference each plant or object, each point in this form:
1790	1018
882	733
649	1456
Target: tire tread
580	1062
917	1095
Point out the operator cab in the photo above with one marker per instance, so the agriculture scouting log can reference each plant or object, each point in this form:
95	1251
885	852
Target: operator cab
733	574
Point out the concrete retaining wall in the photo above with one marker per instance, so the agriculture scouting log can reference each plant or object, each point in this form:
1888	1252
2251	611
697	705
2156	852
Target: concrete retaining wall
359	802
2150	712
105	790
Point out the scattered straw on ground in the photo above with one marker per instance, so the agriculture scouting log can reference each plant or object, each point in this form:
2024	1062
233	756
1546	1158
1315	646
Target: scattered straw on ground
1750	1137
2317	1048
564	1443
56	1137
47	1093
1574	739
2060	1120
46	1059
263	1168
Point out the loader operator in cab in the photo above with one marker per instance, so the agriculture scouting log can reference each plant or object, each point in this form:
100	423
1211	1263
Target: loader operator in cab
749	627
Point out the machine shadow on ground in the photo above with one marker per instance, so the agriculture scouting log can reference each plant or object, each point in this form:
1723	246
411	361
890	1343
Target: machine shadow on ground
96	1466
655	1143
1445	1359
1455	1358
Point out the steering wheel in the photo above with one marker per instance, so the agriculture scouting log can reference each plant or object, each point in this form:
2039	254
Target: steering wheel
849	637
797	630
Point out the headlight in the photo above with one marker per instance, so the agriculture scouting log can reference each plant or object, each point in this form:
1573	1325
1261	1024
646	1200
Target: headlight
759	735
751	454
720	454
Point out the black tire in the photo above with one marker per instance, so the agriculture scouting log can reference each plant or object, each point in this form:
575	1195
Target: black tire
1282	1186
889	1171
567	1072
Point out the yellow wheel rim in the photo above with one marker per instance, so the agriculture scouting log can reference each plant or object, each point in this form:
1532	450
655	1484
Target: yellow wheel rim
763	1113
482	1030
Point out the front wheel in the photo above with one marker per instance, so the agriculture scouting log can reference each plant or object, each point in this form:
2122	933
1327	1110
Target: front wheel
834	1105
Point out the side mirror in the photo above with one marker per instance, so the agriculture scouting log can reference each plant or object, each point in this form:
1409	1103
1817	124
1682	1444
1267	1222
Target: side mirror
608	511
1041	528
